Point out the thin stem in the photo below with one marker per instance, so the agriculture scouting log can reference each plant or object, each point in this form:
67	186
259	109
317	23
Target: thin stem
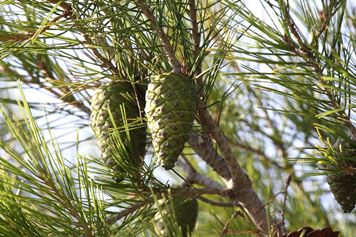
259	153
126	212
69	11
306	53
224	231
195	30
216	203
177	67
194	177
23	37
62	198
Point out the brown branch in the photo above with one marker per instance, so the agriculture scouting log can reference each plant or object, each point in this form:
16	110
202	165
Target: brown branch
66	94
285	196
242	191
67	7
194	177
126	212
215	203
70	100
279	228
212	128
202	145
195	30
191	192
177	67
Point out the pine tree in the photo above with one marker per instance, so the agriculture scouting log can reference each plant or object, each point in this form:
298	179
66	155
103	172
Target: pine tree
251	111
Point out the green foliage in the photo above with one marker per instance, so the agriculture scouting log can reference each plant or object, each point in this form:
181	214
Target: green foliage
41	193
277	77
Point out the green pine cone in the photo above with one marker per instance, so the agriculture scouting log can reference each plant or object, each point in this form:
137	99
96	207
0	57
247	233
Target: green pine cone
343	187
343	184
185	213
170	109
111	104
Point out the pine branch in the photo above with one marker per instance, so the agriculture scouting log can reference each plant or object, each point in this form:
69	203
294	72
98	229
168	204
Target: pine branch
105	62
177	67
291	61
195	30
240	185
239	179
126	212
18	37
304	50
203	146
66	96
224	231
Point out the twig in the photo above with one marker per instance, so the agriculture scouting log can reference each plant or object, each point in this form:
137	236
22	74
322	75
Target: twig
61	197
22	37
289	179
69	11
243	232
215	203
225	229
257	152
195	30
176	192
276	136
126	212
78	104
307	54
177	67
194	177
66	94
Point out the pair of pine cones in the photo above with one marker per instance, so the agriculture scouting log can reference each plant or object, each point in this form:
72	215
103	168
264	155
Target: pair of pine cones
122	109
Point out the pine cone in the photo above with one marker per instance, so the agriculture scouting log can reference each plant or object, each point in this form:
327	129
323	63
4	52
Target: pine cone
342	180
170	109
343	186
112	104
185	212
310	232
